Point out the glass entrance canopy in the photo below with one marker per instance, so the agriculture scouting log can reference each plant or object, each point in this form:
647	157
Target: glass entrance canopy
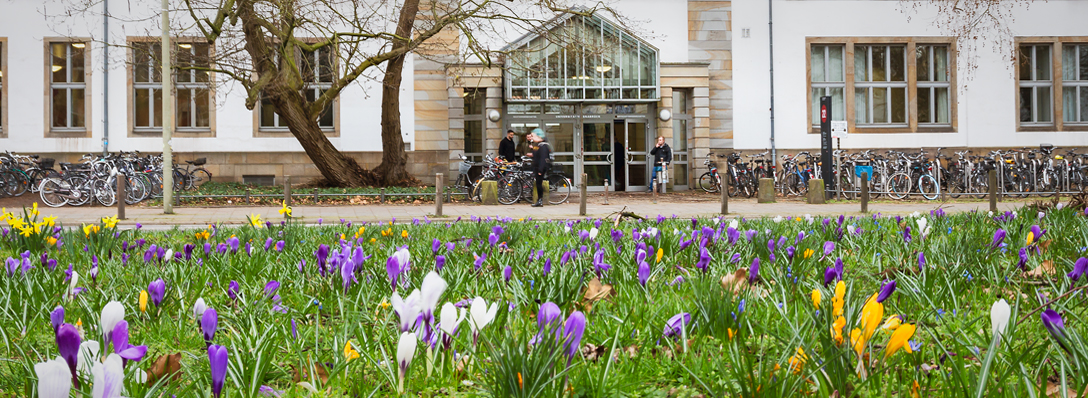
581	58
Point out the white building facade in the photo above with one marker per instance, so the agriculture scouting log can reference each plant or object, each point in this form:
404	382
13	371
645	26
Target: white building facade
901	82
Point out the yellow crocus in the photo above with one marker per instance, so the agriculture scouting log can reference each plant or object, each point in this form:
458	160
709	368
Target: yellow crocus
109	222
660	253
255	220
808	253
404	233
1031	238
285	210
838	301
87	230
816	296
871	314
349	352
797	361
836	329
914	390
372	240
731	332
892	323
51	240
143	301
50	221
343	237
899	340
34	210
857	340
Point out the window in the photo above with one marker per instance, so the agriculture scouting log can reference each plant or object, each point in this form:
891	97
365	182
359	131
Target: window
475	99
681	111
1035	85
931	63
318	71
192	87
3	91
1075	84
68	107
828	79
884	84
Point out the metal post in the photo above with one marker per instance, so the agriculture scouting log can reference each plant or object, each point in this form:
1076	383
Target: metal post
725	191
121	195
993	190
439	186
286	190
582	199
657	186
247	196
167	113
606	191
864	192
315	196
383	195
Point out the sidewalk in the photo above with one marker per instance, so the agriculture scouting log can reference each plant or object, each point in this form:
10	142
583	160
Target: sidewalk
200	216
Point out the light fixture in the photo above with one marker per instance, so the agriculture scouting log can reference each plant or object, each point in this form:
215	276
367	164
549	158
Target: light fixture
493	115
664	115
604	68
79	45
57	68
582	77
185	45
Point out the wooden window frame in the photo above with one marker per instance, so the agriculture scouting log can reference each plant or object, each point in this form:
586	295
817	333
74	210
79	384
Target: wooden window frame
86	130
4	87
911	43
476	117
1056	60
187	132
284	132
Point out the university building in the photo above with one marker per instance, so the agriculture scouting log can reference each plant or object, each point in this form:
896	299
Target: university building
697	72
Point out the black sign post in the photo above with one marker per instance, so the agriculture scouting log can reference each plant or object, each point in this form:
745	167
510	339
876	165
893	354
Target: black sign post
825	144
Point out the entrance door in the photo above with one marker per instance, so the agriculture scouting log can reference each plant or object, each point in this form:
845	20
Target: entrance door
637	152
597	158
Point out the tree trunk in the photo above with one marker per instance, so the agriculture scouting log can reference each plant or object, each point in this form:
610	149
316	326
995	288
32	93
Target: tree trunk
337	168
392	170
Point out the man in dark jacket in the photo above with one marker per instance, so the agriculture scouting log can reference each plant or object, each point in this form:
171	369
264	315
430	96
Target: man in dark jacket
541	163
506	147
662	157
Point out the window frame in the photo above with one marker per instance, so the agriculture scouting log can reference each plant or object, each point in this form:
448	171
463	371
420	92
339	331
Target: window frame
1080	84
1057	81
912	87
475	117
284	131
85	85
933	85
3	87
133	85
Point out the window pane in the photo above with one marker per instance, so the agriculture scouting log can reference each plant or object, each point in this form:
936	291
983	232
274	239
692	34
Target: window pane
818	64
880	105
861	106
1025	62
268	113
325	63
1026	108
141	63
325	120
185	60
899	104
880	64
838	104
1069	63
156	63
79	109
142	108
1043	102
861	63
835	65
1069	104
158	107
78	68
1084	62
474	136
475	99
184	107
201	59
924	94
817	92
898	64
944	106
306	66
648	62
60	107
1042	62
60	62
1084	104
202	99
921	57
680	135
679	102
940	57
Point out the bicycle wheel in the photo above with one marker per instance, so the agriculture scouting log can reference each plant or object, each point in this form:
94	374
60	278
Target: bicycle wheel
7	183
462	187
198	177
793	185
104	193
899	186
1048	183
80	190
181	180
876	185
846	186
51	191
927	186
558	189
135	190
509	190
707	182
19	183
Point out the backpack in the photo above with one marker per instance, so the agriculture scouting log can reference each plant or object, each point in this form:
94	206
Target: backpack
551	156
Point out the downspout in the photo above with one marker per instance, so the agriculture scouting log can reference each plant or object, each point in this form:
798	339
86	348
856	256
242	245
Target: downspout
770	30
105	77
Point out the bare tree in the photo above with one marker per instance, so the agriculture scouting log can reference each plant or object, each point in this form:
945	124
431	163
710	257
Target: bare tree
974	24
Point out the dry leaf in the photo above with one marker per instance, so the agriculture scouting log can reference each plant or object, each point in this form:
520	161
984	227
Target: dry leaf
596	291
1054	389
1043	270
736	281
305	374
164	365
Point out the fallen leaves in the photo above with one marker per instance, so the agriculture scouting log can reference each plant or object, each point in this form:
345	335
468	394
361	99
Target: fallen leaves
596	291
1045	269
163	366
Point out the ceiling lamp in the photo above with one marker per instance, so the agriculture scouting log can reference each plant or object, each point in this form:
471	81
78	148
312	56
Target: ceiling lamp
79	45
604	68
57	68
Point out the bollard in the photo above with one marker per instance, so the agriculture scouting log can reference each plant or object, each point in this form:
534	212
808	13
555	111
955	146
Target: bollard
121	196
546	195
286	190
315	196
864	192
438	188
657	185
489	192
993	190
724	188
606	191
765	194
382	196
582	198
816	194
247	196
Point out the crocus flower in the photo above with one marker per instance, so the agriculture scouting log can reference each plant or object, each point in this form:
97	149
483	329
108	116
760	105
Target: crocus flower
479	261
1023	263
753	272
406	350
407	309
56	317
999	236
232	290
157	290
573	331
547	268
347	274
546	319
704	260
209	323
280	245
480	315
828	248
217	361
451	319
886	291
675	326
198	308
999	316
899	339
121	347
68	340
53	378
921	261
108	377
1053	323
1079	269
112	313
643	272
439	262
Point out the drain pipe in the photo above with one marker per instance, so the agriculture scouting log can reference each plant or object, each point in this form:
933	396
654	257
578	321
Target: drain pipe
770	31
105	77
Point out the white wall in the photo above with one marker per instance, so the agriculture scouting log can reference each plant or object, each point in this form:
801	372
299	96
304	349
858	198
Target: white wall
987	107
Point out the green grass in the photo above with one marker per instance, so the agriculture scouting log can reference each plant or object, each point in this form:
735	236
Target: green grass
739	342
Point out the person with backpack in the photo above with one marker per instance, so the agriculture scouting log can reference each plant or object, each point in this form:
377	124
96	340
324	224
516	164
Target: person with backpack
542	163
662	154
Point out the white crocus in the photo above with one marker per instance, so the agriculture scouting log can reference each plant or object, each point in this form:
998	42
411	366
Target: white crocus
169	256
451	318
1061	206
403	256
54	379
1041	215
851	229
430	292
109	376
112	313
199	307
651	231
480	315
593	233
734	223
999	316
407	308
71	294
406	350
88	354
566	228
717	220
777	219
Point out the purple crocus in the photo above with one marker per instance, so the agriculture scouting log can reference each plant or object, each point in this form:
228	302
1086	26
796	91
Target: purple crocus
921	261
271	287
1079	268
57	318
157	290
573	331
750	234
547	318
906	234
121	347
209	323
704	260
233	243
828	248
479	261
435	245
1053	323
439	262
217	360
507	273
999	237
675	326
68	341
643	267
1023	262
279	246
1037	233
547	269
492	239
886	291
267	244
232	290
733	235
753	271
790	251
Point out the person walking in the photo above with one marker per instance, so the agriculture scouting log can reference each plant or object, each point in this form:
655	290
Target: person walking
541	163
506	147
662	157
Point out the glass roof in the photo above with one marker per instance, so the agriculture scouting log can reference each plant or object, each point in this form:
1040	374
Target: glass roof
581	59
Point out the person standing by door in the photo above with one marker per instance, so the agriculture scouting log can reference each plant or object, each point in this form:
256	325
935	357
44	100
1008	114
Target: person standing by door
506	147
542	156
662	154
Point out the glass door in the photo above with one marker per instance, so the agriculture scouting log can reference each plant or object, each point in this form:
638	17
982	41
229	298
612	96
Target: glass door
637	155
597	155
561	138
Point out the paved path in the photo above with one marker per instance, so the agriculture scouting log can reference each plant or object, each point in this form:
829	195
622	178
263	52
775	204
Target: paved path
199	216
